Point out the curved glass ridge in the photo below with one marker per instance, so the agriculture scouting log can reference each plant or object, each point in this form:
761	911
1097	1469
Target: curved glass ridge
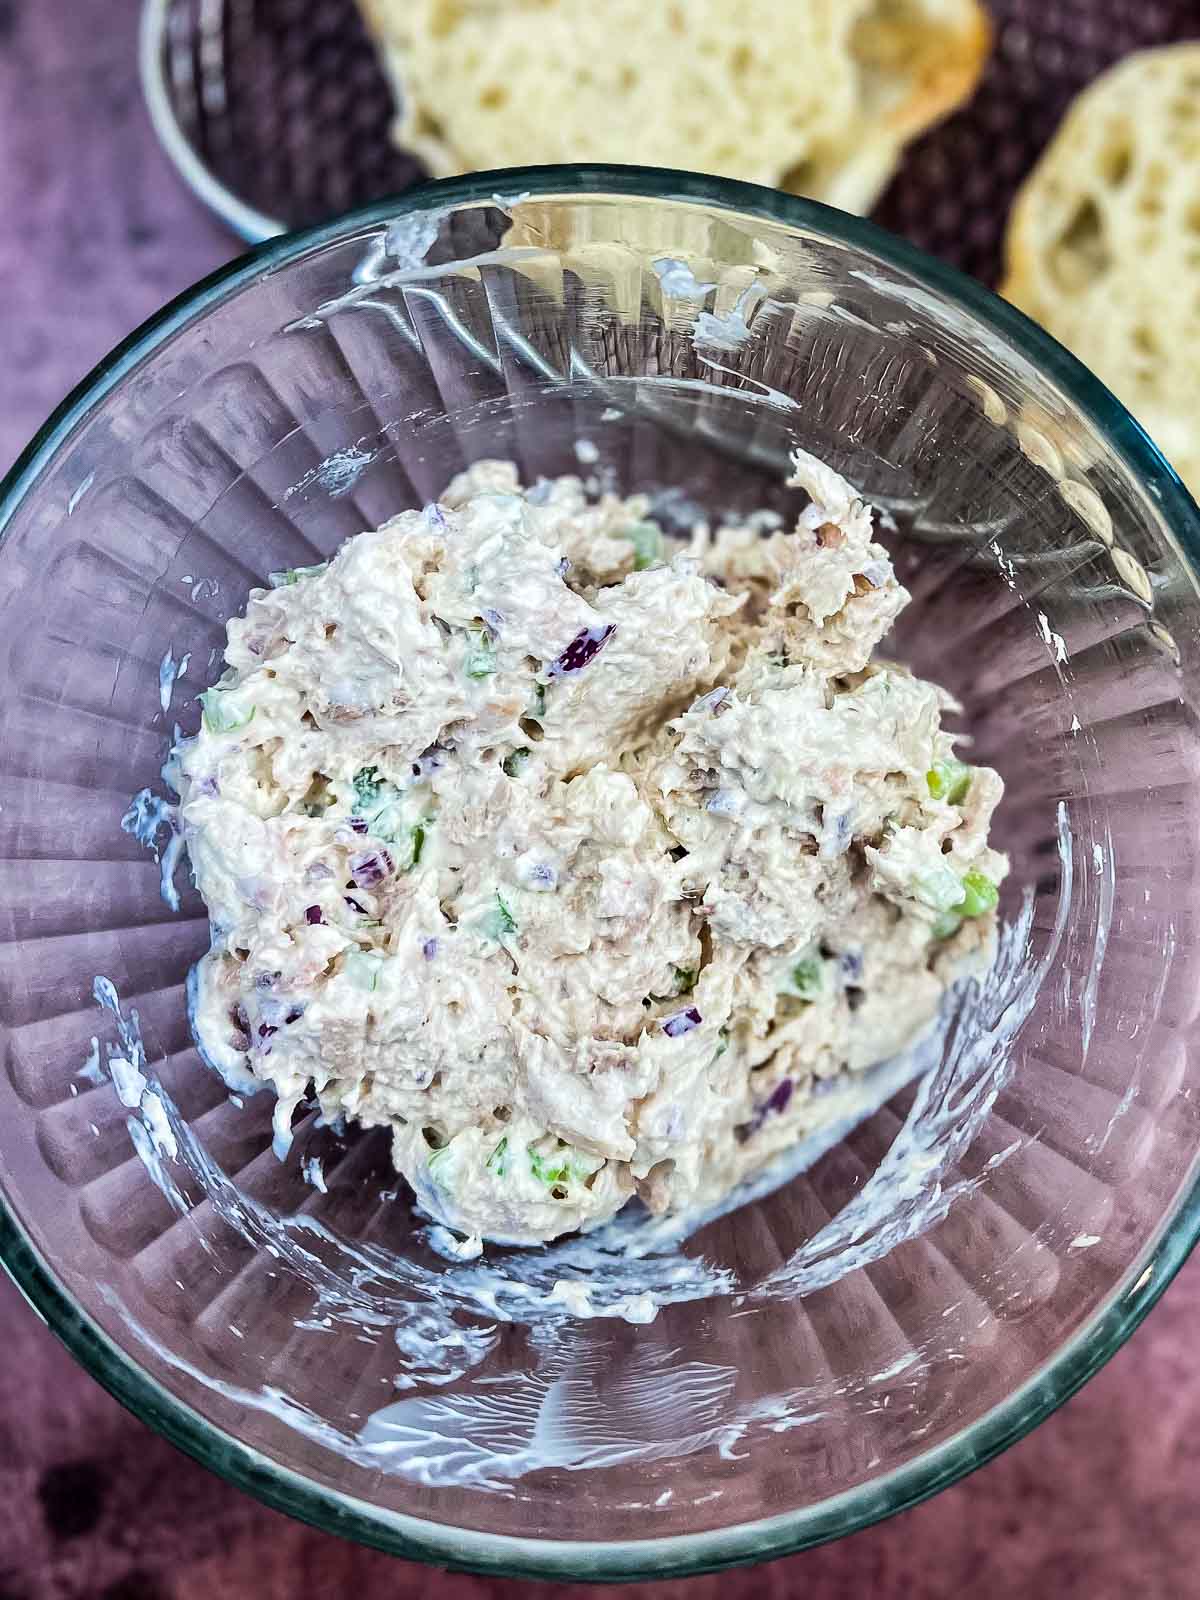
1052	554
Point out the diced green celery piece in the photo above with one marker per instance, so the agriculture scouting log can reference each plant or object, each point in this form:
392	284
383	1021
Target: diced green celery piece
949	780
514	761
363	970
497	1162
808	977
290	575
550	1169
685	979
647	541
980	895
367	784
376	800
220	717
480	659
499	922
436	1164
939	889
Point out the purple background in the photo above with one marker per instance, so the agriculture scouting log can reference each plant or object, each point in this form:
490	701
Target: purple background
1101	1501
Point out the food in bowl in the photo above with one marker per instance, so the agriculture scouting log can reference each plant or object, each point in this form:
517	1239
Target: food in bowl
816	96
579	856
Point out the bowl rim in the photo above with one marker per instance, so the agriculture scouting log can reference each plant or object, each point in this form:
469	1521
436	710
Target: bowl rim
246	220
678	1555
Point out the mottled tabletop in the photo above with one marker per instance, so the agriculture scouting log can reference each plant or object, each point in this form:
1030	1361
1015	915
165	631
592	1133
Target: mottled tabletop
1101	1501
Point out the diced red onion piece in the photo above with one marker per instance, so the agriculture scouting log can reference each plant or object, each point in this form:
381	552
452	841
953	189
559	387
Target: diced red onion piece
777	1101
582	649
370	868
712	700
780	1095
682	1022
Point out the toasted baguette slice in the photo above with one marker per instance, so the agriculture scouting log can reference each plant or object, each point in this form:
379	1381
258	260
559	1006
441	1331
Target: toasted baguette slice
817	96
1103	243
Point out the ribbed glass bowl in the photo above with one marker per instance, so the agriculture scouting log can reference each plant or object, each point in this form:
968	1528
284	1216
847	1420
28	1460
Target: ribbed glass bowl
928	1288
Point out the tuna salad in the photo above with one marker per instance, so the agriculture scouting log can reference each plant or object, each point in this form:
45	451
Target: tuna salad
578	856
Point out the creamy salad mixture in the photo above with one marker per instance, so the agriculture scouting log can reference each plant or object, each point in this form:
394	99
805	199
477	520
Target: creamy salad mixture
579	857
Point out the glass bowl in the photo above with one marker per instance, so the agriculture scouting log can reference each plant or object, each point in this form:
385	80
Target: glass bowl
906	1301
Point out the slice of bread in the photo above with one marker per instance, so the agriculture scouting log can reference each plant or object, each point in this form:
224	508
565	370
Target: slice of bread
1103	243
818	96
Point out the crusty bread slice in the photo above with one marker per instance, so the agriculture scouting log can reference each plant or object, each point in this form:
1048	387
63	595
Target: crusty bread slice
1103	243
817	96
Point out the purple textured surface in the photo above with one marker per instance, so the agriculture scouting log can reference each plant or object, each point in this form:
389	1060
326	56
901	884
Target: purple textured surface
953	192
1102	1501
